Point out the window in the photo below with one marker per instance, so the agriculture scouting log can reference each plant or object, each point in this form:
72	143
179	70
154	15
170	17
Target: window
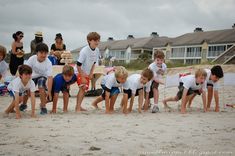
194	52
177	52
216	50
193	61
118	54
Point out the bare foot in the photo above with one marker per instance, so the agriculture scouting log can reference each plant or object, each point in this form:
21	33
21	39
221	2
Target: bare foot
5	115
107	112
95	105
166	107
65	111
33	116
216	109
53	112
80	109
183	111
18	116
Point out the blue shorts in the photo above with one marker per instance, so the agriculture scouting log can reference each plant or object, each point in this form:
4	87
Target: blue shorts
113	91
12	94
40	81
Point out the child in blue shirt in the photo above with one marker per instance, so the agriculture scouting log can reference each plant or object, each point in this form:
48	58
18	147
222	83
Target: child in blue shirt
62	82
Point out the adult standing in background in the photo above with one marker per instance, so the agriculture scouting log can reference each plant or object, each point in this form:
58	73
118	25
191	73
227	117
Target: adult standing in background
38	39
58	47
17	52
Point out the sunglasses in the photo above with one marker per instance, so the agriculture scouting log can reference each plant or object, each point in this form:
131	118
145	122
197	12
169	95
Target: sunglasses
21	36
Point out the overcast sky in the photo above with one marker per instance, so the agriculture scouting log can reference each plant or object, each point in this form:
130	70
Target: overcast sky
76	18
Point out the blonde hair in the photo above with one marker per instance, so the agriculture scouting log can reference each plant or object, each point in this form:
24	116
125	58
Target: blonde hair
200	72
121	71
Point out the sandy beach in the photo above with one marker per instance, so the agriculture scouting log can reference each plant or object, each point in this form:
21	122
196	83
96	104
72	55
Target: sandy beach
94	133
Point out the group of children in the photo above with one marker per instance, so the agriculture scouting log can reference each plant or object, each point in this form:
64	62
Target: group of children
37	71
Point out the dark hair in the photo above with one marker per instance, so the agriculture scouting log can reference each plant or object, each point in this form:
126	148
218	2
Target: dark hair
93	36
159	54
38	39
3	51
42	47
17	34
24	69
217	71
58	36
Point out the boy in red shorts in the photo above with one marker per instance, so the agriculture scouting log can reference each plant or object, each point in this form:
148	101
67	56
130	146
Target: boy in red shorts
88	57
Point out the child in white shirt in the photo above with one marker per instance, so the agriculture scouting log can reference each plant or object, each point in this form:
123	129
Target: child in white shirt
159	69
213	76
21	87
188	86
110	85
42	73
88	57
135	86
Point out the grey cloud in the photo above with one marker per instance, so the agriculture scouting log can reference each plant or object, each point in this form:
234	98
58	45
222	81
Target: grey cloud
75	18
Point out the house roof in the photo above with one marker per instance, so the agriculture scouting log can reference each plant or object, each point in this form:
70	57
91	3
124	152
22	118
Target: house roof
195	38
211	37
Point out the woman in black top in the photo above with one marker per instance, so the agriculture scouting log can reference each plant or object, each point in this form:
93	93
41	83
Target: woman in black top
58	48
17	52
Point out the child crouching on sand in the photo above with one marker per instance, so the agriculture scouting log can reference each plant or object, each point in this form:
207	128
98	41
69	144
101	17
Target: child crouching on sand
189	85
22	87
213	76
110	85
134	87
62	82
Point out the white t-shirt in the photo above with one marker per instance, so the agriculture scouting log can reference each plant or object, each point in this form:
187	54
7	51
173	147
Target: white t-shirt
189	81
208	81
40	68
156	70
133	83
87	58
16	85
3	68
110	81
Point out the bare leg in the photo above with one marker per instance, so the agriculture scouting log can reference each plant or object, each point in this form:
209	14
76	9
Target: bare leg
112	102
155	95
190	100
80	97
43	97
169	99
55	100
97	100
140	100
10	107
66	101
209	96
